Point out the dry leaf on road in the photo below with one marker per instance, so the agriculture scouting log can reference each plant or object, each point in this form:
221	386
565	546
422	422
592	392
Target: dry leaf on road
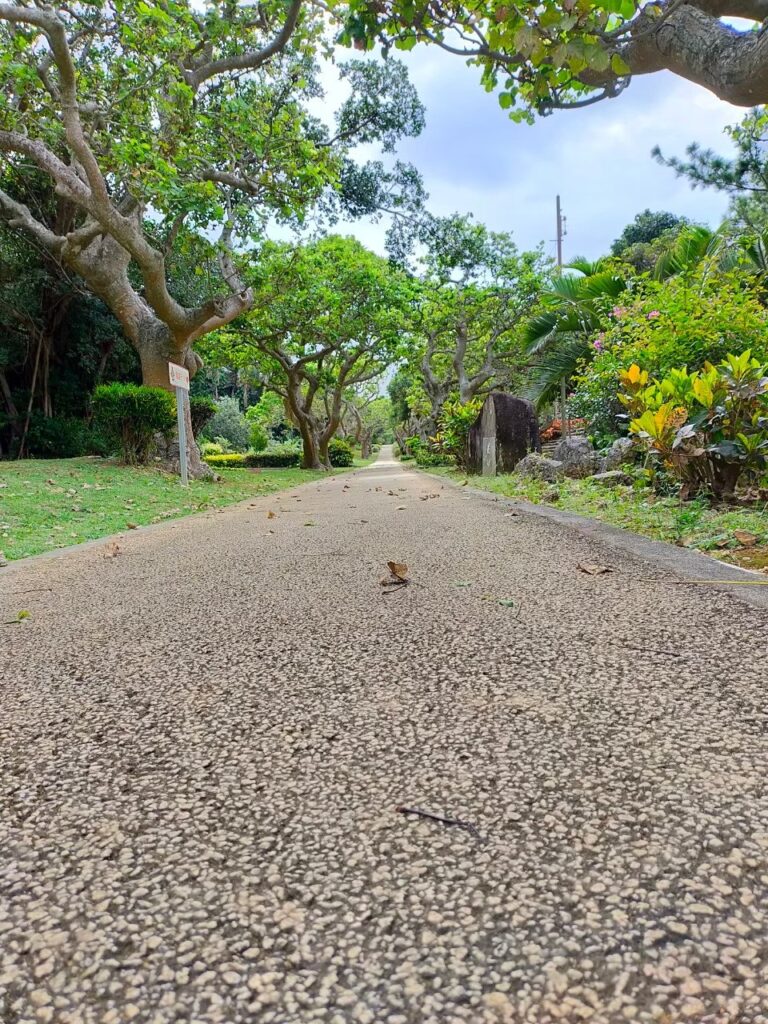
593	569
398	569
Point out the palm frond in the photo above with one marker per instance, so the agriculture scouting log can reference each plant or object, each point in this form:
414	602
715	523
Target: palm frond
557	364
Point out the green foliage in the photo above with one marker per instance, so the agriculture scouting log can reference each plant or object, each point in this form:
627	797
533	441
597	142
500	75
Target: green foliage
202	411
709	426
340	453
277	456
539	55
269	411
222	461
645	228
573	308
210	448
427	459
684	321
57	437
229	422
453	431
259	438
129	416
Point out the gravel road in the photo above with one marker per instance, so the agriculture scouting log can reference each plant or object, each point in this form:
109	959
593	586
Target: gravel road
204	740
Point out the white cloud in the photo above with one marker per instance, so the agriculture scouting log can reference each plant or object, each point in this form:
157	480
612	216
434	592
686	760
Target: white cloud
474	159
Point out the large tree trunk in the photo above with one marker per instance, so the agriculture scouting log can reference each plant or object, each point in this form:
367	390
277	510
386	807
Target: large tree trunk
156	350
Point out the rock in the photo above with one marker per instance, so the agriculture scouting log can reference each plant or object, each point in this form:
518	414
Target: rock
619	454
611	477
578	457
539	467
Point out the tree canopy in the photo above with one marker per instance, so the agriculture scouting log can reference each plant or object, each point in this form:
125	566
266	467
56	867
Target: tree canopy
570	53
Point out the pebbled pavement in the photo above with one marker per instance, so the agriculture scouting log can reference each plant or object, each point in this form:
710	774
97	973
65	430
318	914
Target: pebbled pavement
204	739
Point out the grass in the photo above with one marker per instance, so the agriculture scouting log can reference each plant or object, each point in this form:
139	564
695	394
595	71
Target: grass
47	504
694	524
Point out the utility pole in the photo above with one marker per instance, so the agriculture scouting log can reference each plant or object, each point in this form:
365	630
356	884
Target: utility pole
561	232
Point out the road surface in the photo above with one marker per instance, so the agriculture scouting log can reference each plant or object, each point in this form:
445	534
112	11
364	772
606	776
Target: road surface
206	734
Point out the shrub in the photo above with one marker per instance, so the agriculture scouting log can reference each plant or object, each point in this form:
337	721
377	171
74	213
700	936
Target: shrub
279	456
222	461
426	459
202	411
55	437
129	416
259	436
340	453
707	427
228	422
453	431
663	326
210	448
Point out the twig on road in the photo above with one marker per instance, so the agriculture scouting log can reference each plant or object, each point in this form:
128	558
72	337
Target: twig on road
467	826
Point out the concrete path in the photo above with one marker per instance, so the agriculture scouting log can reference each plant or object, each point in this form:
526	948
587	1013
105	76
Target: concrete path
204	740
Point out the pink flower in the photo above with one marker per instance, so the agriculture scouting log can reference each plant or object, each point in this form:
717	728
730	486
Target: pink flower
598	343
619	311
653	314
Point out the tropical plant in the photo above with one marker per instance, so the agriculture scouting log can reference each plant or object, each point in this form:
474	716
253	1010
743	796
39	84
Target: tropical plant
574	308
709	426
453	433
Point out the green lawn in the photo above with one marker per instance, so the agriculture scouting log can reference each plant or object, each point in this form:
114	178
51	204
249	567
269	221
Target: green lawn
694	524
47	504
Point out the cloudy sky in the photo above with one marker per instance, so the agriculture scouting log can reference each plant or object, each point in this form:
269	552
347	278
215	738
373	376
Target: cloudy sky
474	159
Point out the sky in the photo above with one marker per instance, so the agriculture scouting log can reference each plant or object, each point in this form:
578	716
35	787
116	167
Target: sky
474	159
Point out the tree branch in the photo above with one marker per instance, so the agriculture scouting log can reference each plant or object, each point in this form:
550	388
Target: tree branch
248	61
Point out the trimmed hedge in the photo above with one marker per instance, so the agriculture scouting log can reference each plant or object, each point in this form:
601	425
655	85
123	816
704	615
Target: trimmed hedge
234	459
129	416
279	457
340	453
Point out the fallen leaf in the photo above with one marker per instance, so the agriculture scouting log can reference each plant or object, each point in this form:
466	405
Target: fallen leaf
270	515
509	515
722	542
507	602
462	583
398	569
593	569
400	508
745	537
132	526
309	524
111	550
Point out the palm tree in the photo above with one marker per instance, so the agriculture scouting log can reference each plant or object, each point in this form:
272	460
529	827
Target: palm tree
702	250
574	308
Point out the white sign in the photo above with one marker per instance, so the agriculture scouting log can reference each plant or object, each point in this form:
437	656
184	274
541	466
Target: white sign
179	377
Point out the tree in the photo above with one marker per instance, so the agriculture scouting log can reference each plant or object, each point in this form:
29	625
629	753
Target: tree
326	318
369	417
743	177
646	228
149	119
554	54
475	291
